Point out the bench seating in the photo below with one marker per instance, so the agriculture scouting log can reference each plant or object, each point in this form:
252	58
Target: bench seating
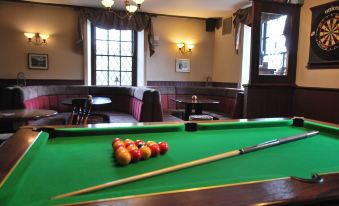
129	104
230	106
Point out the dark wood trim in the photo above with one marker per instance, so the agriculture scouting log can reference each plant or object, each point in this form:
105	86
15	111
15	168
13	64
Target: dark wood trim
317	103
135	59
293	11
14	148
225	84
191	84
93	59
82	7
34	82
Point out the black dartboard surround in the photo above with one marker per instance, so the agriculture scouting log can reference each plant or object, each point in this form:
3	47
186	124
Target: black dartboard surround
325	36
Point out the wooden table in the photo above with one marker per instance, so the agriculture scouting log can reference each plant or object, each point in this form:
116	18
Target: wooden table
15	118
197	104
25	114
95	100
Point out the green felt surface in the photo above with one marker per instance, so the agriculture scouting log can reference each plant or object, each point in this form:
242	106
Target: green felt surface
64	164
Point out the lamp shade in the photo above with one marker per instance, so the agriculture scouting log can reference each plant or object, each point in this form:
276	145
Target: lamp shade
107	3
29	35
131	8
44	36
180	45
139	1
190	46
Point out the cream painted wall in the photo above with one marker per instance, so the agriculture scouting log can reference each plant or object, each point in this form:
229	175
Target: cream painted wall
59	22
171	30
226	63
326	78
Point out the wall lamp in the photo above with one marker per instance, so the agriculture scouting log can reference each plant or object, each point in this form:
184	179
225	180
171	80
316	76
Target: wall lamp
185	48
39	39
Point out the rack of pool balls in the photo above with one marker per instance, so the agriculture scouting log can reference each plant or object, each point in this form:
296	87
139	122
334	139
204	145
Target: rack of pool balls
126	151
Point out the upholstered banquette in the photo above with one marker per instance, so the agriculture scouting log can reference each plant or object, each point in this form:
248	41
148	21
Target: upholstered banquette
129	104
230	106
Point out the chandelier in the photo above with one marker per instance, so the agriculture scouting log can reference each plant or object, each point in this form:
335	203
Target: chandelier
130	8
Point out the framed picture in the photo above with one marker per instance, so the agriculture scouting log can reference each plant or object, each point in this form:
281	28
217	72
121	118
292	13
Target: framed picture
182	65
38	61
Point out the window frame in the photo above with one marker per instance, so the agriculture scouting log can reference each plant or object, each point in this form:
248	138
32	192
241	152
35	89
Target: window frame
134	57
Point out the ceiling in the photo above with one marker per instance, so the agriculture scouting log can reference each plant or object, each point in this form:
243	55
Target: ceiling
193	8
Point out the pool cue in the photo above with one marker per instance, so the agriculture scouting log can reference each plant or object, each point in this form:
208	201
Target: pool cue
190	164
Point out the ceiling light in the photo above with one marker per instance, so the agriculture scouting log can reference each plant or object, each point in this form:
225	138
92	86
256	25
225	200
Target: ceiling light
130	8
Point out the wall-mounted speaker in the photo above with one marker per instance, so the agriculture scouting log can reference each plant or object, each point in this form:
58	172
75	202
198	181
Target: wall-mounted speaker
212	24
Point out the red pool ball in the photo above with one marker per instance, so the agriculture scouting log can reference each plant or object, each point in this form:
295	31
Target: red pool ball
137	142
115	140
155	150
135	155
163	147
128	141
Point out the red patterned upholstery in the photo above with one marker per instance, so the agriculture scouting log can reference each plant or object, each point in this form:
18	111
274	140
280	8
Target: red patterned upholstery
140	103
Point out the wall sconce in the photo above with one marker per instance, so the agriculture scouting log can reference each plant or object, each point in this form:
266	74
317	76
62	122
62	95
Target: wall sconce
40	39
185	48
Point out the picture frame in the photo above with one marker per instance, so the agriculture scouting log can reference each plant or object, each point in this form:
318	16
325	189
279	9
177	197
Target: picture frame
182	65
38	61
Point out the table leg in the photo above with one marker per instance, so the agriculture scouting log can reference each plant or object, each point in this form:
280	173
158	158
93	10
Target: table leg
188	111
198	108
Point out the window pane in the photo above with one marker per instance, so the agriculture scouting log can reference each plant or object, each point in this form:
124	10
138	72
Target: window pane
101	78
126	63
126	78
102	63
114	34
126	35
101	47
126	49
114	63
114	78
101	34
114	48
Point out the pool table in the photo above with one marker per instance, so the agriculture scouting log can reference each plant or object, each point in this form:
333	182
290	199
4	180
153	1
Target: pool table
37	164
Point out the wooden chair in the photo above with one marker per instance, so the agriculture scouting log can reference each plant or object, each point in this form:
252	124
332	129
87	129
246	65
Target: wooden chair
81	111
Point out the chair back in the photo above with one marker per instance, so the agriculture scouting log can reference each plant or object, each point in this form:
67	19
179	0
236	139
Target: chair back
81	111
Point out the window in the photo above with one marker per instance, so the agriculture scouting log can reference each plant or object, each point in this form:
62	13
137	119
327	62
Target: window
113	57
273	53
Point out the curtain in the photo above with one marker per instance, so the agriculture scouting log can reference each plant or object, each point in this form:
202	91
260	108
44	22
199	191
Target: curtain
115	20
242	16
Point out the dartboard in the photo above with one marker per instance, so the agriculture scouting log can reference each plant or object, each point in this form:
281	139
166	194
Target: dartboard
325	36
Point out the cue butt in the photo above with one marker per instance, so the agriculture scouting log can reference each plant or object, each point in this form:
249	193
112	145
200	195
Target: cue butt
151	174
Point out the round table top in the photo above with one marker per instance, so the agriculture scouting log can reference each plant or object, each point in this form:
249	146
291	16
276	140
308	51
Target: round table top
25	114
96	100
199	100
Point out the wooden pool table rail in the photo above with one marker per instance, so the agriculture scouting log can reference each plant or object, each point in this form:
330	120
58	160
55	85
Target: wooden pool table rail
285	191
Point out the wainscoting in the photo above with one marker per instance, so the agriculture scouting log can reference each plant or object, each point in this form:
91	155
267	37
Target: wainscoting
261	101
34	82
191	84
317	103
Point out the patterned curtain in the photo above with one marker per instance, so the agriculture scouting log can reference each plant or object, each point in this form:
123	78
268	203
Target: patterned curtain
115	20
242	16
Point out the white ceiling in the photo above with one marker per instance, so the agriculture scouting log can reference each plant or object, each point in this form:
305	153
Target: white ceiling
194	8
